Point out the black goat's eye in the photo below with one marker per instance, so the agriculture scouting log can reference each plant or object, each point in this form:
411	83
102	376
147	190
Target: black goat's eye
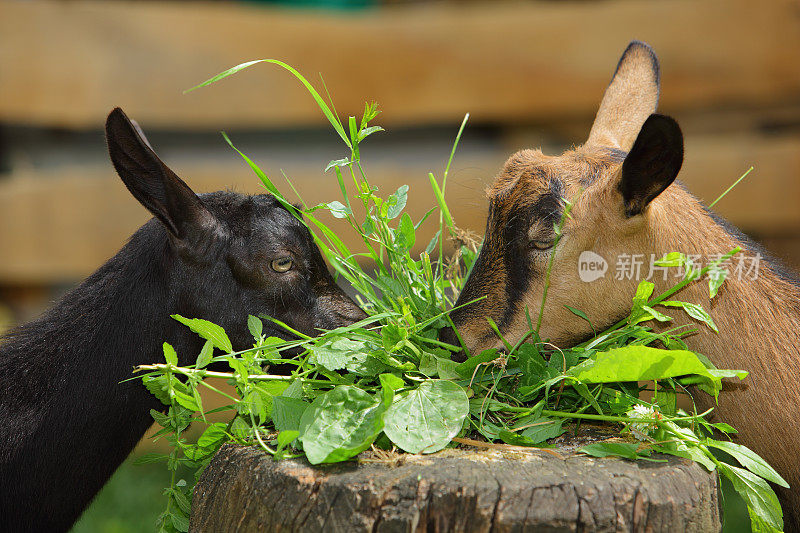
542	245
282	264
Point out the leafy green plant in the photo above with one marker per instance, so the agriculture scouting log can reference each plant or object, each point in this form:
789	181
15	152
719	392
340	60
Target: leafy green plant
388	381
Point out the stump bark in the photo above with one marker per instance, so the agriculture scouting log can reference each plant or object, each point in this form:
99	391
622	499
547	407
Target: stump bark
494	490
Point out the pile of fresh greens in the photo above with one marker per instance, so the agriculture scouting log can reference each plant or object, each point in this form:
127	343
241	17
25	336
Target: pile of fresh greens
388	381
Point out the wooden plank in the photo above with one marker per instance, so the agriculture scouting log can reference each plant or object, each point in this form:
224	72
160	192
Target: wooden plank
67	63
60	227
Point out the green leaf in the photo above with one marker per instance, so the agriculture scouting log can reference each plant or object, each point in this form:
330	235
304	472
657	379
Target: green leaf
338	209
643	292
180	522
366	132
467	369
287	412
182	501
583	391
368	227
531	363
515	440
170	355
723	427
205	355
185	400
762	503
433	242
213	435
285	438
348	354
331	357
397	202
427	418
157	385
253	403
161	419
336	355
268	390
538	429
695	311
750	460
424	217
240	428
432	365
728	373
391	381
354	137
256	327
340	424
716	277
655	314
294	390
688	451
579	313
437	192
628	450
668	402
337	163
638	363
405	235
672	259
209	331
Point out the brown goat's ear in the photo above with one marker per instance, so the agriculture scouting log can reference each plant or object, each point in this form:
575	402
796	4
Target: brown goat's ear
629	99
150	181
652	164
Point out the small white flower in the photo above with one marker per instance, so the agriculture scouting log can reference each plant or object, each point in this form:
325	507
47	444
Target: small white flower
642	430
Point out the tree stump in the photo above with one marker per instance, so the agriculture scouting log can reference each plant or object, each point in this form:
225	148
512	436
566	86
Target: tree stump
499	489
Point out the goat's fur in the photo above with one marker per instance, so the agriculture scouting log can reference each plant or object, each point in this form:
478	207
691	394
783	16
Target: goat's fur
628	204
66	420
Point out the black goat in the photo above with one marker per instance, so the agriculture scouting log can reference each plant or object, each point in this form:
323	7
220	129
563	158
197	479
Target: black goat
66	421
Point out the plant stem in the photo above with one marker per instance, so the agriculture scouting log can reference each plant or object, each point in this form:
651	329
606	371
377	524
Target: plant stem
735	183
226	375
623	419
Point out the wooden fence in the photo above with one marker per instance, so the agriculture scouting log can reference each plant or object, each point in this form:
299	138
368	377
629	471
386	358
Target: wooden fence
534	72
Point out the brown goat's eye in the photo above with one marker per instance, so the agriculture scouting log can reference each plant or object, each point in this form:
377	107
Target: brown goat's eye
283	264
542	245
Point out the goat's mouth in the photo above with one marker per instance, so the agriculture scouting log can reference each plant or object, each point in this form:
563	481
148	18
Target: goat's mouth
546	347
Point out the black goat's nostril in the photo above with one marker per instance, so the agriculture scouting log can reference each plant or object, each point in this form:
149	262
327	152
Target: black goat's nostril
449	336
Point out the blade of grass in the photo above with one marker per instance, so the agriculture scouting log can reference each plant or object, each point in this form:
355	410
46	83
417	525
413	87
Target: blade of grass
332	118
735	183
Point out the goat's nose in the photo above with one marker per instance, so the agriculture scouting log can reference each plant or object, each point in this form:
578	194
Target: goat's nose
448	335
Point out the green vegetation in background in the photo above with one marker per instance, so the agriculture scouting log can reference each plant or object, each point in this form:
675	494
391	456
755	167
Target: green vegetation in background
388	381
129	503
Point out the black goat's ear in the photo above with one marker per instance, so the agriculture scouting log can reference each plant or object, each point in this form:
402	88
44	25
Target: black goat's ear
652	164
150	181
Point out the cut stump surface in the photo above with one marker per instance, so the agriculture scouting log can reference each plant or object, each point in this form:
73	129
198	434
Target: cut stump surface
455	490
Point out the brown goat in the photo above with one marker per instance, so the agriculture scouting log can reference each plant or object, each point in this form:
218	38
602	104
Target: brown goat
626	205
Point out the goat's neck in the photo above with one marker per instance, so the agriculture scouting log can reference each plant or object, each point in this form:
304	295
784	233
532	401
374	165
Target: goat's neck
759	331
757	312
66	420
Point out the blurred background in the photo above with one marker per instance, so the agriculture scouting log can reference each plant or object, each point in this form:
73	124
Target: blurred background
529	73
